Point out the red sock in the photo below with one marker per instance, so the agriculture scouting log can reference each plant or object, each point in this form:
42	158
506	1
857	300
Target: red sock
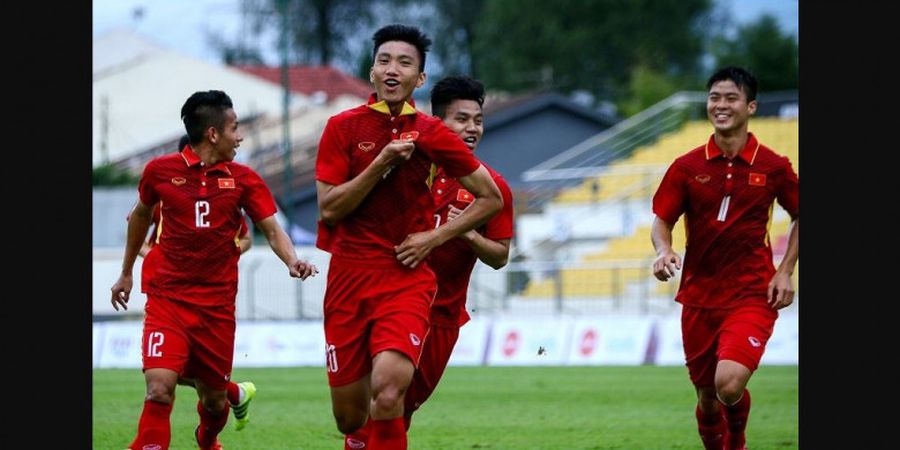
359	438
233	392
153	428
210	425
736	416
388	434
712	429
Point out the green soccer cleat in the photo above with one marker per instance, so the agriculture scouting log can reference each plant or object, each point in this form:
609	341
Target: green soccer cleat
242	410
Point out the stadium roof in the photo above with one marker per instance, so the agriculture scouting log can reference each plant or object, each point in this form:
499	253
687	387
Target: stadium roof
311	80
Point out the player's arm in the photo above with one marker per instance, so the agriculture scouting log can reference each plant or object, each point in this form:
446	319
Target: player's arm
138	224
487	202
246	239
494	253
245	243
667	261
781	288
336	202
283	247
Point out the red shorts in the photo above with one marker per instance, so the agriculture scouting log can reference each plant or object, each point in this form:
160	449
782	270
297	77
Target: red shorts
736	334
194	341
372	309
435	355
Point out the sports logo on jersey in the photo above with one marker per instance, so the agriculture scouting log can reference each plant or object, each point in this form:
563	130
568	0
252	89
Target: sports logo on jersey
702	178
178	181
152	447
226	183
463	195
409	136
353	443
415	339
366	146
754	341
757	179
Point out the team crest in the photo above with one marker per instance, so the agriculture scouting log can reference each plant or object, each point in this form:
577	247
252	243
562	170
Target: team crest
702	179
409	136
178	181
366	146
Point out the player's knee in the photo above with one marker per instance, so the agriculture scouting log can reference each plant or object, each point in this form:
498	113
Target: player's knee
213	404
160	393
389	398
348	422
729	391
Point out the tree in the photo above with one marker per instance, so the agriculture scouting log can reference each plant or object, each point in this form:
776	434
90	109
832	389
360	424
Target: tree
110	175
322	32
765	50
597	45
455	33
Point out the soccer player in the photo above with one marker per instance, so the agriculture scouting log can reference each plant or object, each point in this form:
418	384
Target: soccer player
457	100
730	290
189	323
373	179
239	394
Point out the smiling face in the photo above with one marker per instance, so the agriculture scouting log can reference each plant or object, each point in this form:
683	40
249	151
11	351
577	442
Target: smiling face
465	118
727	107
228	139
395	73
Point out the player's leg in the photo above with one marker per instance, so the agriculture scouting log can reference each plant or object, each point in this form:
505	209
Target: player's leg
211	363
239	397
699	332
400	327
154	427
710	423
392	372
436	351
350	405
213	410
164	350
742	342
347	327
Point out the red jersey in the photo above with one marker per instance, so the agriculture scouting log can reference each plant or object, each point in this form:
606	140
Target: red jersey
453	261
728	208
154	230
199	224
400	204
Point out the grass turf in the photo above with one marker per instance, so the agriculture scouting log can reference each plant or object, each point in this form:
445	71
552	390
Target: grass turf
631	408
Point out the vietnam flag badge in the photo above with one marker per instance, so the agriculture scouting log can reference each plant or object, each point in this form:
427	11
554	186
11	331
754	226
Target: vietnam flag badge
226	183
465	196
757	179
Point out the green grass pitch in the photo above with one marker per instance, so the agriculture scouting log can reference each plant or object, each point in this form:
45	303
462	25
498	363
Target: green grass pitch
501	408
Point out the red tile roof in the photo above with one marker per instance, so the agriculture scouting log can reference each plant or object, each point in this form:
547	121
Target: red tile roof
310	79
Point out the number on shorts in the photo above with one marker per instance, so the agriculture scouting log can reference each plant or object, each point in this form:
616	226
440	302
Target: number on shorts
154	340
331	358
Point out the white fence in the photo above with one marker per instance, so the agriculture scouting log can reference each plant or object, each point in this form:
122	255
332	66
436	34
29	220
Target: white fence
509	341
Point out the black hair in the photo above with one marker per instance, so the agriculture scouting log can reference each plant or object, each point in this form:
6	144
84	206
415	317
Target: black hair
741	77
455	87
204	109
183	141
404	33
